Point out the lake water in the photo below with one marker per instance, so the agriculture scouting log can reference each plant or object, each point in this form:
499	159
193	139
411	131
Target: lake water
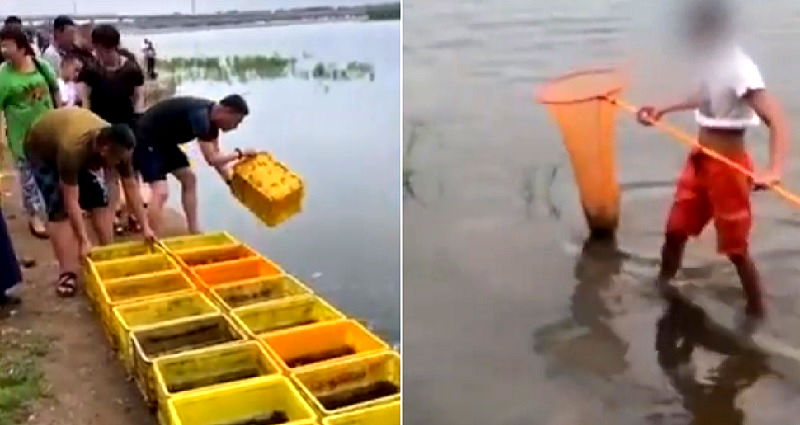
508	320
342	137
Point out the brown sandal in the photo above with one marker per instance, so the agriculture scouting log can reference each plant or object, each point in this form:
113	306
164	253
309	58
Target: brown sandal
67	285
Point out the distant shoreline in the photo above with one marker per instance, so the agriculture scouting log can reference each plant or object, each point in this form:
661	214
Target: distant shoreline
232	19
184	29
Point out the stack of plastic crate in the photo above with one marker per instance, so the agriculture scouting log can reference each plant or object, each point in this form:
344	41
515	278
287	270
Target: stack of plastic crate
242	341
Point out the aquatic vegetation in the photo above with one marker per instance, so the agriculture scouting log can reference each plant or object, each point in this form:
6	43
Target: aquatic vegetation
261	67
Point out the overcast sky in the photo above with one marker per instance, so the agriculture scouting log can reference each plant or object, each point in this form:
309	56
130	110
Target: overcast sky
52	7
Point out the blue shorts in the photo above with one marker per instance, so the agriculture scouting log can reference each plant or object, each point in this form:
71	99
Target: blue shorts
91	187
154	163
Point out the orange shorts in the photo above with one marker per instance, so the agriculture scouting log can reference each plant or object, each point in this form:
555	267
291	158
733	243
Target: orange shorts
708	188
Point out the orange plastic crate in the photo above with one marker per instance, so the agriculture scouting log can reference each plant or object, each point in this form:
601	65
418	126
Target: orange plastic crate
321	343
233	271
215	254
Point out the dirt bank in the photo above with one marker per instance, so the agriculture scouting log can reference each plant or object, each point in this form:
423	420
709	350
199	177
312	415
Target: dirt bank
83	383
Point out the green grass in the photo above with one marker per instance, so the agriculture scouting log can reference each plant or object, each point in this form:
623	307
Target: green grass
21	378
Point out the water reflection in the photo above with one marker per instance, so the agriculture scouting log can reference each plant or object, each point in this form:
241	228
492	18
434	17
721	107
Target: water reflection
243	69
682	329
595	347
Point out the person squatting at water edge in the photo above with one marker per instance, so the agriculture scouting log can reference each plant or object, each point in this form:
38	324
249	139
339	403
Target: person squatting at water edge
731	97
167	125
73	153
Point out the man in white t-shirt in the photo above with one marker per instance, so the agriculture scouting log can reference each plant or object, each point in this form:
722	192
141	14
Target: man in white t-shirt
64	33
731	98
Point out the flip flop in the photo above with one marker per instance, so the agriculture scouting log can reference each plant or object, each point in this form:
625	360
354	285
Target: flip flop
37	233
67	285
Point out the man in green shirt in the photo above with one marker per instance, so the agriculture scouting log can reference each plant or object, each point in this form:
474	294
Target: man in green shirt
72	152
27	90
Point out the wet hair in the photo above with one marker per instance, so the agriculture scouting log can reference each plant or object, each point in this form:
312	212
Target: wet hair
13	19
106	36
235	103
119	135
61	22
18	37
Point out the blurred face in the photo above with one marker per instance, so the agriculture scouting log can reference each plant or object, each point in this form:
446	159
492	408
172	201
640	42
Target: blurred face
10	50
70	69
229	120
67	36
112	155
106	56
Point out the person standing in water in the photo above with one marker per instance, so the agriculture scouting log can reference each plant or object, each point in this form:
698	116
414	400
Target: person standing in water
731	98
28	89
149	52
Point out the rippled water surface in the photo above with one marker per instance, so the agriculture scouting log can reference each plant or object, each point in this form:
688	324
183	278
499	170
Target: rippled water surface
509	319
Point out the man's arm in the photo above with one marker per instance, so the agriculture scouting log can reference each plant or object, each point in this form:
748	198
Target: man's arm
217	159
770	110
132	195
138	99
648	114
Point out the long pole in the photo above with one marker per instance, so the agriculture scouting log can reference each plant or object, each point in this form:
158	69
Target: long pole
194	7
687	139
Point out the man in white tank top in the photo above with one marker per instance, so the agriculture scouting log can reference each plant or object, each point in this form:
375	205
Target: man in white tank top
731	98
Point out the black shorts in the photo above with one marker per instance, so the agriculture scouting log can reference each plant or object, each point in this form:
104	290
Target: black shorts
155	163
91	187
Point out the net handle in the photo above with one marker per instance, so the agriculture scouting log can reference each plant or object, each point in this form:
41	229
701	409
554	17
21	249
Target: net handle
686	139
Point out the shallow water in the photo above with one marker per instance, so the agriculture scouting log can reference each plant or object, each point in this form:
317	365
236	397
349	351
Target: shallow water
341	136
509	319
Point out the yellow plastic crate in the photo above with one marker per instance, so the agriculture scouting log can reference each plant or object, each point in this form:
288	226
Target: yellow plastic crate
216	254
103	272
152	312
139	288
322	343
351	384
241	403
268	188
198	241
173	338
234	271
211	367
259	290
383	414
291	312
122	250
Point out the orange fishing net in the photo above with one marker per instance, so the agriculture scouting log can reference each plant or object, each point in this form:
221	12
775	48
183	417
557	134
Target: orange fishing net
579	102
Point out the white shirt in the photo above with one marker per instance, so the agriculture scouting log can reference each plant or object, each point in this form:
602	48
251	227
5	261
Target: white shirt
68	92
727	76
52	56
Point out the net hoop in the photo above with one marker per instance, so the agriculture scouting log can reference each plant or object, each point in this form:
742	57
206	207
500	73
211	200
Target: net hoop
582	86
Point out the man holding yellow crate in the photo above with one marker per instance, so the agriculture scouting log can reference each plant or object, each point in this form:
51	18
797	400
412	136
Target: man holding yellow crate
165	128
72	153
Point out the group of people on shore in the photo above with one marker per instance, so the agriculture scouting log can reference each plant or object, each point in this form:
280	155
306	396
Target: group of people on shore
84	146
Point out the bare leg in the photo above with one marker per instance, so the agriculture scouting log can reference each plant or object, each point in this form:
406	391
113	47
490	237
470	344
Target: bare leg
159	192
189	197
751	284
103	218
103	224
671	256
65	246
